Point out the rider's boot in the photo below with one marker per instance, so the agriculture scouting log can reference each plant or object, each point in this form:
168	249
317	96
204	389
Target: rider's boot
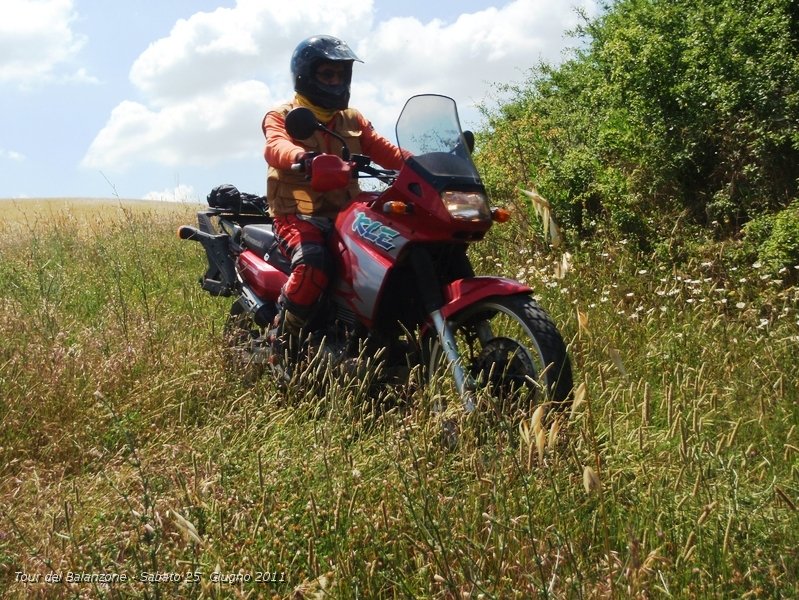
284	336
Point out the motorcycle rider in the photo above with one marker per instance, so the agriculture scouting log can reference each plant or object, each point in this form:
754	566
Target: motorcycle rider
322	70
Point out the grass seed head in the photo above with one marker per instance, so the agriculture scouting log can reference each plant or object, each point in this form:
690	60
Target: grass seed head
538	416
541	443
591	481
553	434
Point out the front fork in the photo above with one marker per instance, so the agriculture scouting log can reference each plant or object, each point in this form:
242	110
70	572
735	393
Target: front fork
463	380
433	301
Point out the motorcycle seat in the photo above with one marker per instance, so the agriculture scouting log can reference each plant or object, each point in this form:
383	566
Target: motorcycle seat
258	238
261	240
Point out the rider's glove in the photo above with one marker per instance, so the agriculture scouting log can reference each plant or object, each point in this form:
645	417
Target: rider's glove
303	163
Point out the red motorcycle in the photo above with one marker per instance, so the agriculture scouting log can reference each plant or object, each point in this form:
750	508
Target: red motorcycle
404	291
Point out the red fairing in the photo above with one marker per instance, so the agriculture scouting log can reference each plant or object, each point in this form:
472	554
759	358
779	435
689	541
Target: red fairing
463	292
265	280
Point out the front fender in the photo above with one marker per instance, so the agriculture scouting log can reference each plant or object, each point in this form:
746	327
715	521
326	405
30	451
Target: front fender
463	292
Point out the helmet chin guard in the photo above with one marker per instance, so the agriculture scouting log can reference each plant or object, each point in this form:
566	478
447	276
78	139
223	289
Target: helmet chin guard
307	55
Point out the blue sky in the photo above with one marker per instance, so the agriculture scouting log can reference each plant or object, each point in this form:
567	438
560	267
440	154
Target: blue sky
164	98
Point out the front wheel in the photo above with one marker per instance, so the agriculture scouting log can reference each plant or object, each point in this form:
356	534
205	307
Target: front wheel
511	349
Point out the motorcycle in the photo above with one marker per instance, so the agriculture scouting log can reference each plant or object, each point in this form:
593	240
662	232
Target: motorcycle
404	289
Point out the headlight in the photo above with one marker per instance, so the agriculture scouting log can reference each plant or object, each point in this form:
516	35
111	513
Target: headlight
467	206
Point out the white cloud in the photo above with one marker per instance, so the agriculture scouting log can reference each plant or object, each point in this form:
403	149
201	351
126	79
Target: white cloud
37	42
11	155
252	40
180	193
203	103
206	86
463	59
199	130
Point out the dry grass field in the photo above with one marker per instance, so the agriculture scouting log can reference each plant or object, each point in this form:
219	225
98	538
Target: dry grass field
135	463
32	215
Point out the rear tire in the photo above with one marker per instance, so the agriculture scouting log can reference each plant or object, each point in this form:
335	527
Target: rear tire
245	345
513	351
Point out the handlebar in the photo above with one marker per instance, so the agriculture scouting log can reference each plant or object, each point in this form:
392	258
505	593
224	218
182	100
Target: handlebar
384	175
328	171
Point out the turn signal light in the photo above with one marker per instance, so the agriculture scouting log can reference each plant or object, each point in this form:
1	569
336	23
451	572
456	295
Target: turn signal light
395	207
500	215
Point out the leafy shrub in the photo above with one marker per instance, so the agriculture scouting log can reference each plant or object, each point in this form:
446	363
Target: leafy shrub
756	233
669	106
781	249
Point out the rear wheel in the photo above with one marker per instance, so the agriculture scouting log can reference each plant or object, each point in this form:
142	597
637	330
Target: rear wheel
512	351
245	344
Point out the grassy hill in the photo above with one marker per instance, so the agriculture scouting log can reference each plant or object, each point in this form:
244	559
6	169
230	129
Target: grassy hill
129	448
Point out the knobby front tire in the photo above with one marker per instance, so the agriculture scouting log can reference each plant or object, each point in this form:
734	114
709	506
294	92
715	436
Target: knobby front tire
513	350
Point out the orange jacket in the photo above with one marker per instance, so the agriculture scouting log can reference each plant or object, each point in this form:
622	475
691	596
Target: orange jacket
289	192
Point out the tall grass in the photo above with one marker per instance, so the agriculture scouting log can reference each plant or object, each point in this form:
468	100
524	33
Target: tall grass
128	446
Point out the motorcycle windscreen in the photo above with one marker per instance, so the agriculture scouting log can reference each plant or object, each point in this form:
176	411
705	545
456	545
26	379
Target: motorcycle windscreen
429	128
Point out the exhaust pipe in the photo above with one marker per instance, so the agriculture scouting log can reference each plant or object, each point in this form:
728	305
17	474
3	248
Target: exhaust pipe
262	313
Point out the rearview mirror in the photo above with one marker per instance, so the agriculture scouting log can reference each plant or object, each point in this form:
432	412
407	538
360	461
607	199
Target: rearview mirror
301	123
468	136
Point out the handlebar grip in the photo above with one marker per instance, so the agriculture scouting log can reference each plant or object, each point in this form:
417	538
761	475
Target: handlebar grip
187	232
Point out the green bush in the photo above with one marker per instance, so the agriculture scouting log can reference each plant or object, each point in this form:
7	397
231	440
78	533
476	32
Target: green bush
781	249
668	107
756	232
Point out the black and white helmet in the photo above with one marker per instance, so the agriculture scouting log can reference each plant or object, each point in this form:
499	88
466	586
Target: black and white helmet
307	55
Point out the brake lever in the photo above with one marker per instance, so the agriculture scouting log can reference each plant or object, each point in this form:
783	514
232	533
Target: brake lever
384	175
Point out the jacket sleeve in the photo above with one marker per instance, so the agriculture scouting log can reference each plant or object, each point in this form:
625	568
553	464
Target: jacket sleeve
378	148
280	150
